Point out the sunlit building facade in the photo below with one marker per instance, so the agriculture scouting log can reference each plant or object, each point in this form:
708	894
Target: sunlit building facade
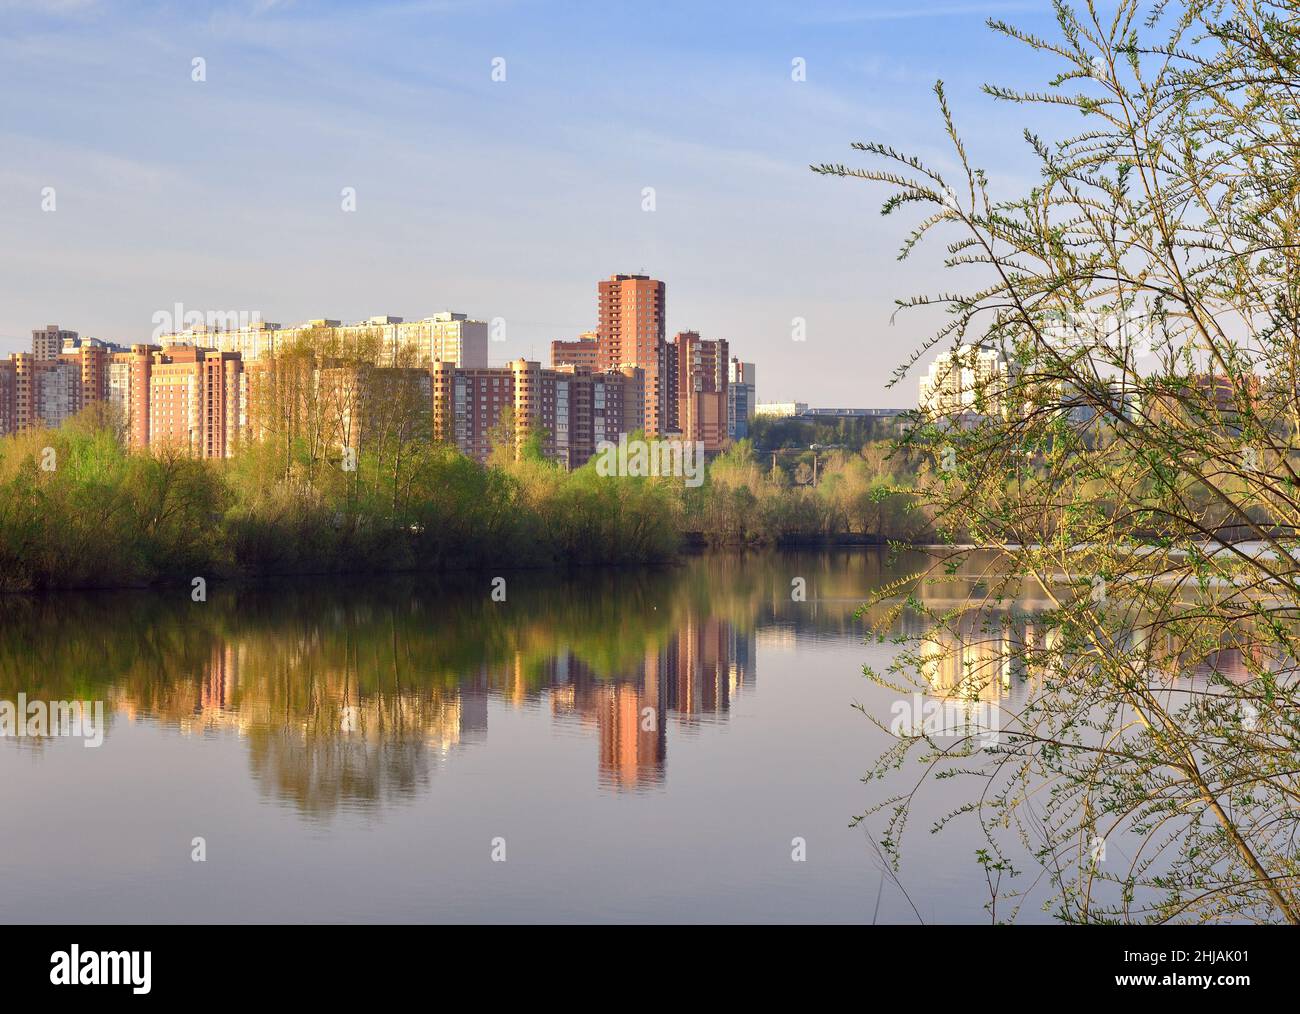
569	408
968	381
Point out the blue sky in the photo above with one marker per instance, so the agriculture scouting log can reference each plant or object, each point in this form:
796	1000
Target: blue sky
500	199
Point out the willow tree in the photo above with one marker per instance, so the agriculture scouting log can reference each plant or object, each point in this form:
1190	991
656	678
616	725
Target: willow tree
1113	421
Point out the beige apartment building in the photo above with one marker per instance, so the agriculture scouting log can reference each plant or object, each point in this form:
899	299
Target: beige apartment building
53	382
390	341
48	342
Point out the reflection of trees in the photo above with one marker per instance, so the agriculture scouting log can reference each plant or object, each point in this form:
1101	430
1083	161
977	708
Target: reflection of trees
353	695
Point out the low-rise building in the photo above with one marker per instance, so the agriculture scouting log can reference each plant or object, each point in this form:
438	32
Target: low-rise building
780	409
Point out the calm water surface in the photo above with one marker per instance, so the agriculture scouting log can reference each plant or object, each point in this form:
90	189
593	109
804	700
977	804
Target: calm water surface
647	744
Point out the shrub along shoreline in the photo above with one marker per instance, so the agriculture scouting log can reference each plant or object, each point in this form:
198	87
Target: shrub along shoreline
78	510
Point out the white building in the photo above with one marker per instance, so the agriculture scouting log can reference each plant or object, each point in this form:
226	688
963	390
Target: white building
58	392
780	409
967	381
451	337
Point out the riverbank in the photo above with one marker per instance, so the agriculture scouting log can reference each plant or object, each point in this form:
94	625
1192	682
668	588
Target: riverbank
79	510
794	540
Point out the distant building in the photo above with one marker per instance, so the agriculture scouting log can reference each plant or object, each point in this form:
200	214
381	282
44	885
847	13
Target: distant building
697	389
851	413
583	352
1110	403
252	341
8	397
196	401
741	398
571	408
968	381
48	342
49	385
364	405
128	390
630	331
1218	400
686	381
451	337
780	409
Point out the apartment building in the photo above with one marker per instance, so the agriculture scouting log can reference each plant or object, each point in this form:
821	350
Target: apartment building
969	381
450	337
583	351
386	340
697	389
8	397
46	391
631	329
38	388
371	407
571	408
741	397
602	406
196	401
47	342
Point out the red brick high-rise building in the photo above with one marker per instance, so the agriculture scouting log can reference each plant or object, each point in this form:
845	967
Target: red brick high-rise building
583	351
128	390
697	388
41	390
572	408
196	400
630	332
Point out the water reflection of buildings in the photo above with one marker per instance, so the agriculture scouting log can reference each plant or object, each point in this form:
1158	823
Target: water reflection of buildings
439	719
692	678
987	653
347	700
978	657
320	735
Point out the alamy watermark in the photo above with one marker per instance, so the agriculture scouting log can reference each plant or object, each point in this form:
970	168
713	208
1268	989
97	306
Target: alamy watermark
75	967
37	719
642	458
178	319
947	718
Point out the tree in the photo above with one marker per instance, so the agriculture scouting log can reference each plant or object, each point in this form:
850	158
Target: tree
1130	473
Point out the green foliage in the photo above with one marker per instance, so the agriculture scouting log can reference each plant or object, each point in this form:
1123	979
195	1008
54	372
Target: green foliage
287	505
772	432
1132	472
867	494
103	517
